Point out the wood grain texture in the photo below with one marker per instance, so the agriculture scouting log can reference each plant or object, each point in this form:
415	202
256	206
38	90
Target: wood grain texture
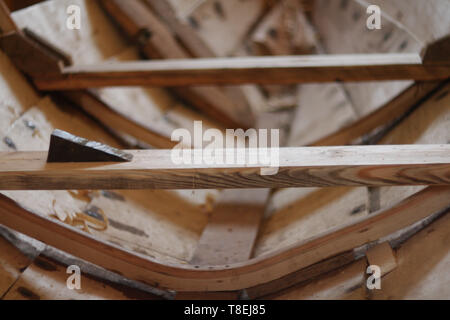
298	167
12	264
260	70
235	276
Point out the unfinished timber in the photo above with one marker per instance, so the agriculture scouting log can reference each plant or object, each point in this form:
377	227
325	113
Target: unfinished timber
298	167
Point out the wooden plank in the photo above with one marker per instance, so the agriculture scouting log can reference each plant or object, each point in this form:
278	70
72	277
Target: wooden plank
6	23
298	167
46	279
237	276
384	115
421	271
345	283
302	275
260	70
422	268
312	166
232	228
157	42
234	222
12	264
429	123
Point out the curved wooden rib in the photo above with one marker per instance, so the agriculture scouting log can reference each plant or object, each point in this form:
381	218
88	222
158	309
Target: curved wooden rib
98	109
224	278
394	109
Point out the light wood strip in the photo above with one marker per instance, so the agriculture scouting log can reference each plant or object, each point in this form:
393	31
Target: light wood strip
297	167
260	70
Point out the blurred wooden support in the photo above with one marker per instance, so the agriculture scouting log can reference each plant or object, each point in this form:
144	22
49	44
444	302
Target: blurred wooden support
46	279
156	41
87	101
260	70
382	165
237	276
300	276
184	31
231	232
6	23
98	109
394	109
12	264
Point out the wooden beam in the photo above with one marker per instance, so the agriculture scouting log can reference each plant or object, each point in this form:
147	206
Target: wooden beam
46	279
236	218
224	278
298	167
260	70
184	31
231	232
6	23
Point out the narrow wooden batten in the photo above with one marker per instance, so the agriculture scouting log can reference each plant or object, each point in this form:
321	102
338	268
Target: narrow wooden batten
292	167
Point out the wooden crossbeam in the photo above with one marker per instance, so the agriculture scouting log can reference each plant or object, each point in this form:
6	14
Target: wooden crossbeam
234	71
297	167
